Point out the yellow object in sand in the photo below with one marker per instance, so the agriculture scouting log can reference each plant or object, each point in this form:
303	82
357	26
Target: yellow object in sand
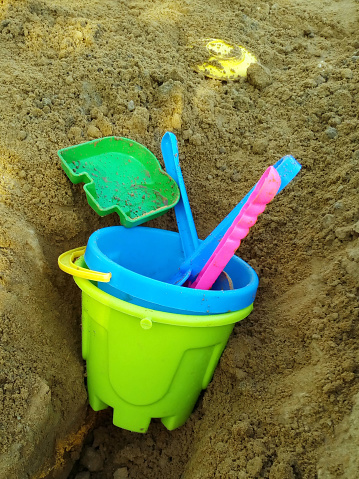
66	262
227	61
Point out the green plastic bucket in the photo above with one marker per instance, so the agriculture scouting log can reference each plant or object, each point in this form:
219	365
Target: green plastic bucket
148	364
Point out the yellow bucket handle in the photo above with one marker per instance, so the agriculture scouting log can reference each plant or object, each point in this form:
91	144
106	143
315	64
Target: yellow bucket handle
66	263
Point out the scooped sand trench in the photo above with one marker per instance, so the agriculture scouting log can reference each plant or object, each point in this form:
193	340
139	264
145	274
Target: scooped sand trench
283	401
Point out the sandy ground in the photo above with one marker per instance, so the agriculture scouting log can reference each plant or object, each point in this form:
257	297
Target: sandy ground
284	400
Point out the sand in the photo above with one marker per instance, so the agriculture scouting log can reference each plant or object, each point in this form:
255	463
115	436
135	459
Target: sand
284	399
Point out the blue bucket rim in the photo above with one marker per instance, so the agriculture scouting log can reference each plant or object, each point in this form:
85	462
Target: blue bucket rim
187	320
166	295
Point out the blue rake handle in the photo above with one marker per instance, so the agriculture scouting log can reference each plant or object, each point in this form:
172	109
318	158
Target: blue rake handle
287	167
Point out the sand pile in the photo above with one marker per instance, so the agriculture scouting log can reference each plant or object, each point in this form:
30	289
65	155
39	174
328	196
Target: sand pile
283	403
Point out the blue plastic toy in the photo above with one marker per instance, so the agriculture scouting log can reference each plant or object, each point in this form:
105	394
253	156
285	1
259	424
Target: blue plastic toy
141	261
287	167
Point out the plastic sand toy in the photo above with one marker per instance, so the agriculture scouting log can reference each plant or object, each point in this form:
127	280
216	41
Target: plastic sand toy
152	346
135	264
263	193
121	176
145	363
287	168
185	223
227	61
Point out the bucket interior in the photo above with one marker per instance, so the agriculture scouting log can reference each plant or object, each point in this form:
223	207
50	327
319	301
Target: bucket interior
157	254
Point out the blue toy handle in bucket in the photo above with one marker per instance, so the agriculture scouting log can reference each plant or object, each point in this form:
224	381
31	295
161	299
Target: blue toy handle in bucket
287	167
185	223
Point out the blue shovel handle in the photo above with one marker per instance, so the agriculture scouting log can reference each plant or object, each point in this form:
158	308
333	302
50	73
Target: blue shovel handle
287	167
185	223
